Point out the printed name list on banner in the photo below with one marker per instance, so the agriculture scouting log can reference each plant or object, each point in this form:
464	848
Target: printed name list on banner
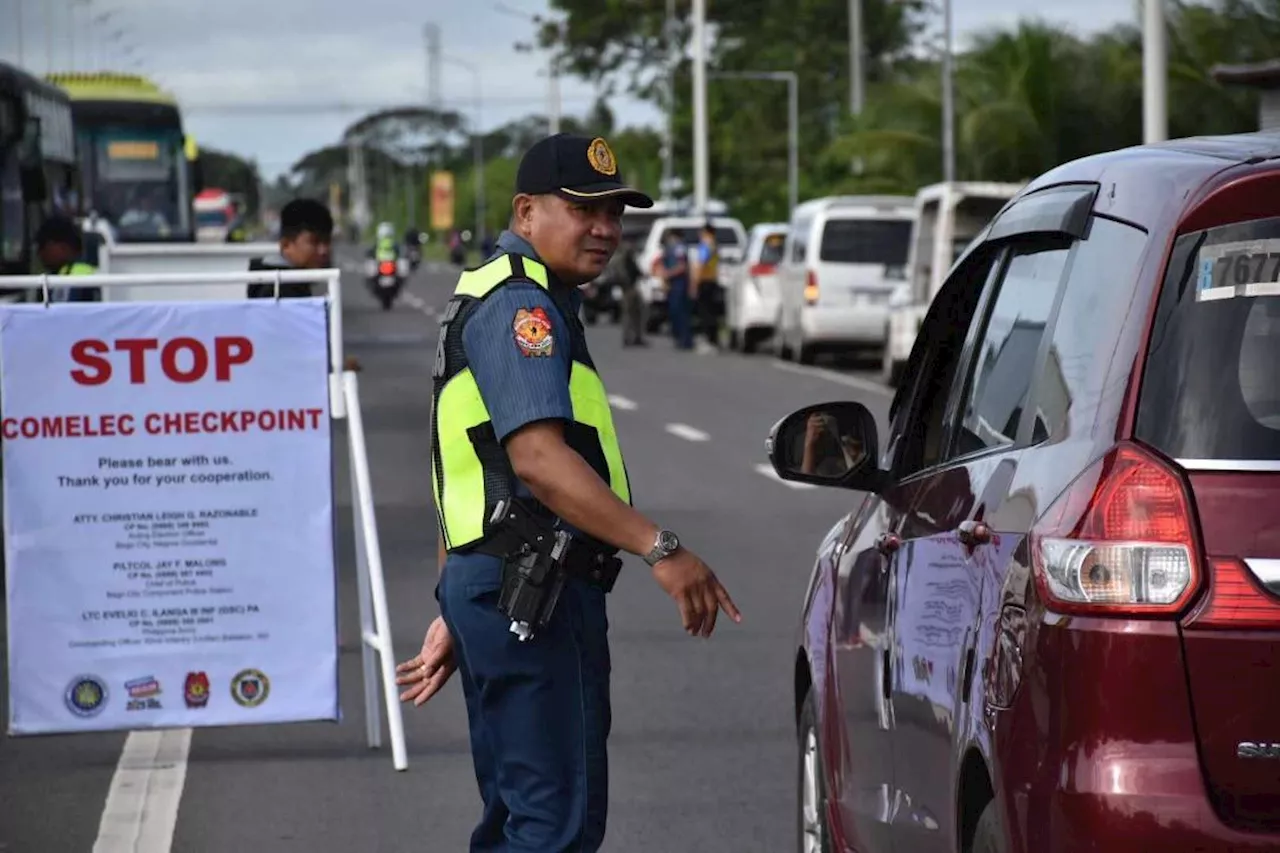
169	515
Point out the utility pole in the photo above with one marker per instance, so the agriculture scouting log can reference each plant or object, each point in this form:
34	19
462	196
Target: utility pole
18	13
700	182
432	34
948	99
553	71
553	98
669	143
48	34
1155	120
856	75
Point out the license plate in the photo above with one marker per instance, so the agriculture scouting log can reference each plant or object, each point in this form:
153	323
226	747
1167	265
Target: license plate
387	281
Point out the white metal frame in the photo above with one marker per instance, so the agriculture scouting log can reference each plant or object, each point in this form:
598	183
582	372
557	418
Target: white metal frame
344	403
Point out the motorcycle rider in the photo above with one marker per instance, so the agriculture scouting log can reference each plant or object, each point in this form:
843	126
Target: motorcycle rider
385	254
413	245
384	248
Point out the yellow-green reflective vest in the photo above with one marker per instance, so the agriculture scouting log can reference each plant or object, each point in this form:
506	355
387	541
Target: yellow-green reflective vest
385	250
470	471
78	268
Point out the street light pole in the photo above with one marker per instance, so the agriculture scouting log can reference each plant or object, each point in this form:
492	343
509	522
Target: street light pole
948	99
554	107
792	79
700	182
856	77
1154	73
477	144
668	144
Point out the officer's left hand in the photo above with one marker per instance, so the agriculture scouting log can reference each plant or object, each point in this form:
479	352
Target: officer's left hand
427	672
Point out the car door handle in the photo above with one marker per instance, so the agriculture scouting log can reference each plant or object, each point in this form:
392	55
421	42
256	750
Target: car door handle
973	533
887	543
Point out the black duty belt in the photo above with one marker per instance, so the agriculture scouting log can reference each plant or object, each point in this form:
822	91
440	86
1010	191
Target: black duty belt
583	559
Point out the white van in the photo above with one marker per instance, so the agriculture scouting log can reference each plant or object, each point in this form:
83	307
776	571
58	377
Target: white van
731	241
842	259
751	289
948	216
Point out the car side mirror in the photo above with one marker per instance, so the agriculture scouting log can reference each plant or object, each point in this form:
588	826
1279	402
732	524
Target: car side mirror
828	444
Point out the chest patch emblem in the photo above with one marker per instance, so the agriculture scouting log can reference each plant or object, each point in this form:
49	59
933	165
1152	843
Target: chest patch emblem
533	333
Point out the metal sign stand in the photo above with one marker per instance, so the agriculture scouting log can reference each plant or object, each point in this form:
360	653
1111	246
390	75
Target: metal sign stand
344	404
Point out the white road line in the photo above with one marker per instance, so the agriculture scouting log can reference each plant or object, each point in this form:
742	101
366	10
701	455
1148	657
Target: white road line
767	470
843	379
142	802
622	403
417	304
687	432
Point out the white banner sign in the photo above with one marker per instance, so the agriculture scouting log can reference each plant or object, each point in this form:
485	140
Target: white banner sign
168	515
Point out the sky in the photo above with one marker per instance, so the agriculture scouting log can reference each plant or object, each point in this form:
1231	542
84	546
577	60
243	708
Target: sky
233	63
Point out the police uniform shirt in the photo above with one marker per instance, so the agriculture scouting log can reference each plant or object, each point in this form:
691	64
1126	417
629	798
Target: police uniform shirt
517	346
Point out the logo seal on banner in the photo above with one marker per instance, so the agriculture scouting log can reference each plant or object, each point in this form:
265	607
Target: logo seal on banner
250	687
86	695
196	690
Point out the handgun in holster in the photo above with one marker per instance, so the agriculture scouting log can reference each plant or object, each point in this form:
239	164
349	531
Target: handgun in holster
534	575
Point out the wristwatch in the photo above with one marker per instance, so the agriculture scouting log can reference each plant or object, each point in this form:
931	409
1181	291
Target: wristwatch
664	546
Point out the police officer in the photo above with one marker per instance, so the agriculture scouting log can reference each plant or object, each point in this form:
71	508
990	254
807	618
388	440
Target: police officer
384	249
520	414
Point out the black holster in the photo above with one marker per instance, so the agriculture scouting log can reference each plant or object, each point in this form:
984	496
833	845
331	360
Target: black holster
537	559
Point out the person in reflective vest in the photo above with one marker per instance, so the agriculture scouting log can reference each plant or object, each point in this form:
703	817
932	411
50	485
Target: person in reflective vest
385	248
59	246
520	412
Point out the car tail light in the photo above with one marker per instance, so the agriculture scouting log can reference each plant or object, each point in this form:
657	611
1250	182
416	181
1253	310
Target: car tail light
1119	541
811	287
387	268
761	269
1234	601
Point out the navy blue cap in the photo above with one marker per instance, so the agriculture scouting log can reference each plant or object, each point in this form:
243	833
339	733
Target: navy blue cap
578	168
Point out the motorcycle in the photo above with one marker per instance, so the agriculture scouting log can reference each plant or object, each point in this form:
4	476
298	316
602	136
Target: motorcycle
386	278
415	257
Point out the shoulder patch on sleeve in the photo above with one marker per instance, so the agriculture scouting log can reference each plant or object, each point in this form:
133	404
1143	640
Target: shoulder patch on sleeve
532	332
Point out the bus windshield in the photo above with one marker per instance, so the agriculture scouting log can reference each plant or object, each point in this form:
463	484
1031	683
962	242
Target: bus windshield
139	183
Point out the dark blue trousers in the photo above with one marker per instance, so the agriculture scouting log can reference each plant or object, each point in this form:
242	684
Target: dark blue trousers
539	712
680	313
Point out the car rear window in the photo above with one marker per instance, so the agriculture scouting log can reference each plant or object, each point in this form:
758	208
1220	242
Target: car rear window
771	248
865	241
1211	385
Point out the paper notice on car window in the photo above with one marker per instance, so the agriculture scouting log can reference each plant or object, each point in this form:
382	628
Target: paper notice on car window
1232	270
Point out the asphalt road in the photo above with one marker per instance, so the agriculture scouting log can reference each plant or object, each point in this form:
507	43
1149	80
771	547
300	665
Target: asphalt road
703	748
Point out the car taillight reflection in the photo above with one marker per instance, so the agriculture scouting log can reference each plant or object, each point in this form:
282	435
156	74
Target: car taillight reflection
387	268
1119	541
762	269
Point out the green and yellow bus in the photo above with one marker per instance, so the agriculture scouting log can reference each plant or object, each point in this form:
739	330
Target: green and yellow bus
138	169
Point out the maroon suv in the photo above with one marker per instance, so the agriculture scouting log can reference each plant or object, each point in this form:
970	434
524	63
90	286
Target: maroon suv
1053	623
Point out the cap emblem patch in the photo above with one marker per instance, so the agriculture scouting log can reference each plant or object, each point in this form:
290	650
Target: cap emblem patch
601	157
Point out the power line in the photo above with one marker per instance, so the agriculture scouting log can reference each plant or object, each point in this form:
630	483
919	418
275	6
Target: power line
294	108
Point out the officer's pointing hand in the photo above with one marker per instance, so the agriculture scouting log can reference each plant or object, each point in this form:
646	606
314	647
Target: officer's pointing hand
427	672
696	590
